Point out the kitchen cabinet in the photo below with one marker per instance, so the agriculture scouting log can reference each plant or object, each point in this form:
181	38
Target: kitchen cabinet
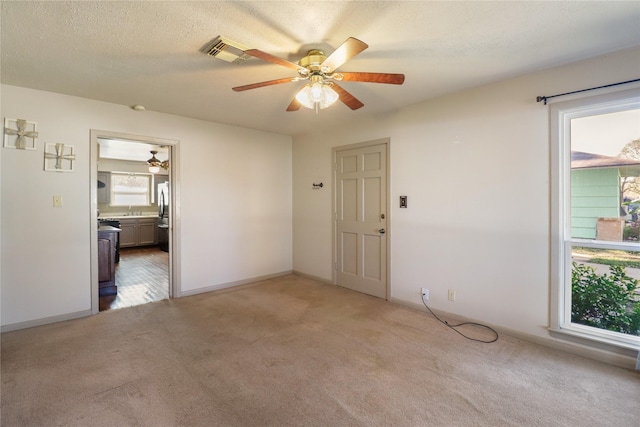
147	231
107	241
128	233
138	232
104	193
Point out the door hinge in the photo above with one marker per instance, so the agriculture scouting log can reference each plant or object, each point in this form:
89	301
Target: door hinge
335	266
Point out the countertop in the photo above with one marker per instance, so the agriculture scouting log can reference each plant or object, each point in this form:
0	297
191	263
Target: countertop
108	228
116	216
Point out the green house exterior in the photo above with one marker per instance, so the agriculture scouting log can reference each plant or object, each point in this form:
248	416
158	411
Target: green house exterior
595	193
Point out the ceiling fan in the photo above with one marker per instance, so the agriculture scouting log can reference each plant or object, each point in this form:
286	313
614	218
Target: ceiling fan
319	70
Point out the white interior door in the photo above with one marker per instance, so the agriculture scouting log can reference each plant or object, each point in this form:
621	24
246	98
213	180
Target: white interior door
361	219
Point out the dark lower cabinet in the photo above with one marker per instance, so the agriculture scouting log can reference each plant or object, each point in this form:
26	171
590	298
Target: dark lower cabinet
107	240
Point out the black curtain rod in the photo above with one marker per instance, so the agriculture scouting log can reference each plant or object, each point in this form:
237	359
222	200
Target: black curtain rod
544	98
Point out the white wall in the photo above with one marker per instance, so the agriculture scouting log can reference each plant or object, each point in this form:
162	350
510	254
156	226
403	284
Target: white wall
235	203
475	168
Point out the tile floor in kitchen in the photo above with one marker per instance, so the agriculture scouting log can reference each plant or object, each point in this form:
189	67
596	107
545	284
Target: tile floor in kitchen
142	276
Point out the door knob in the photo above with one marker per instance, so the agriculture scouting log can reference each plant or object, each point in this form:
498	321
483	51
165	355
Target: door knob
382	231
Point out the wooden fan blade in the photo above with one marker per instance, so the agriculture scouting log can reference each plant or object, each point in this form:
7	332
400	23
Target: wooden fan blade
347	50
294	106
274	59
263	84
348	99
394	79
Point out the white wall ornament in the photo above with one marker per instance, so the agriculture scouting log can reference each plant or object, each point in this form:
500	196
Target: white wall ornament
59	158
20	134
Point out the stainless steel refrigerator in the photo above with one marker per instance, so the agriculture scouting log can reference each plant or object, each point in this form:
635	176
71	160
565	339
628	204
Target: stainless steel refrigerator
163	216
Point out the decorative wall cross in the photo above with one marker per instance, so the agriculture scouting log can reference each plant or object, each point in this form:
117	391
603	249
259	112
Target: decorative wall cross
21	133
58	155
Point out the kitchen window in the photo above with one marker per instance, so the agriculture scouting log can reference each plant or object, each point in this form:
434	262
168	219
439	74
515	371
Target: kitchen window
131	189
593	217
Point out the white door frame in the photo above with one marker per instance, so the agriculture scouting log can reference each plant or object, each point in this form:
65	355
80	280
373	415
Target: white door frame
334	223
174	218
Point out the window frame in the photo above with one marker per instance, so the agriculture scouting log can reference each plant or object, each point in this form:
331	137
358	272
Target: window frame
150	188
561	114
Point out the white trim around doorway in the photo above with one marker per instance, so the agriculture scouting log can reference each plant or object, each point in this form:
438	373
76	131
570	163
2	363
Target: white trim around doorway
174	219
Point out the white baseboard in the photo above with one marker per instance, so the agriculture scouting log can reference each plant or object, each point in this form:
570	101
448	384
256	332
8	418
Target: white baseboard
312	277
226	285
45	321
85	313
618	357
623	358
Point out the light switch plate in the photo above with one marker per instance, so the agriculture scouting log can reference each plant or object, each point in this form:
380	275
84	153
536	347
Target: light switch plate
57	201
403	201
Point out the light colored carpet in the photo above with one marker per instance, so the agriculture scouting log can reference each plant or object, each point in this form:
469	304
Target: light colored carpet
294	352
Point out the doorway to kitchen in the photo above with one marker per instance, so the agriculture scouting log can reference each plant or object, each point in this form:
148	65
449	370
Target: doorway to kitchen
132	205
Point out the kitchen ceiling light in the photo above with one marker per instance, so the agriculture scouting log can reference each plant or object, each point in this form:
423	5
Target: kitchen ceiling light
155	164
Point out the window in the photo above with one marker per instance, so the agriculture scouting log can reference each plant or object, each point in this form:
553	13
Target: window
131	189
595	229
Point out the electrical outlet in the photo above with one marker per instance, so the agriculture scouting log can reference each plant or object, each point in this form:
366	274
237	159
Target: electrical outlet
452	295
425	294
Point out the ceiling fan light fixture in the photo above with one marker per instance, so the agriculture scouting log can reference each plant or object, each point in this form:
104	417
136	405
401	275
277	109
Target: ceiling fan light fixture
317	95
322	90
155	164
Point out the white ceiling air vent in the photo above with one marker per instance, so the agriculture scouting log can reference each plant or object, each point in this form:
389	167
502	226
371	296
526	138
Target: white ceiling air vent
227	50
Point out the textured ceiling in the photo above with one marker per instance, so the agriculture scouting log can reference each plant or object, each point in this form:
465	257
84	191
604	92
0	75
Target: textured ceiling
149	52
